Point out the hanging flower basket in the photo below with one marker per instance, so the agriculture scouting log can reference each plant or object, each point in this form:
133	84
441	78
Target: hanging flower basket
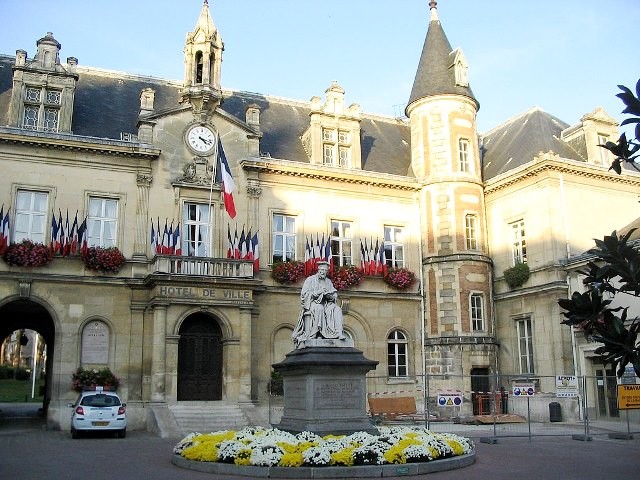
400	278
90	379
287	272
105	260
346	277
27	254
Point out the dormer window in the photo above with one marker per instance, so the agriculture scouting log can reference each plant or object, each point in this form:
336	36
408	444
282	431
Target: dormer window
336	153
41	109
462	75
604	153
461	68
333	136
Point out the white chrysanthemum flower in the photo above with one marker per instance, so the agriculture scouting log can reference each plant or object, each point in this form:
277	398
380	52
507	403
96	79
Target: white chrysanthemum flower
316	456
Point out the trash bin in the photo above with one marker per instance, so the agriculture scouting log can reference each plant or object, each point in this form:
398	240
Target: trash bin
555	412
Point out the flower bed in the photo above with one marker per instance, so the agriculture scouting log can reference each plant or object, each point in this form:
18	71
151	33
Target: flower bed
259	446
89	379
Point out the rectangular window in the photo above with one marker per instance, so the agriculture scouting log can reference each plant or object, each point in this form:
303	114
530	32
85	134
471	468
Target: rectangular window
519	244
470	231
463	155
30	117
341	243
41	109
397	354
196	230
343	156
524	335
394	246
604	153
336	147
328	154
102	222
477	312
284	238
31	216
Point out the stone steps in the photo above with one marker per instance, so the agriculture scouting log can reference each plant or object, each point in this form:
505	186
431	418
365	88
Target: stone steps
205	417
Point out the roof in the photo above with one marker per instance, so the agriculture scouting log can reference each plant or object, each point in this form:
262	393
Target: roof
435	74
520	139
107	103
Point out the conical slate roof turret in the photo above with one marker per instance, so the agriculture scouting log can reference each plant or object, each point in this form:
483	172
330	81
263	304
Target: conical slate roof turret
436	70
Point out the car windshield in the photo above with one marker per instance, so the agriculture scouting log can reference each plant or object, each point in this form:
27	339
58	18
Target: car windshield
100	400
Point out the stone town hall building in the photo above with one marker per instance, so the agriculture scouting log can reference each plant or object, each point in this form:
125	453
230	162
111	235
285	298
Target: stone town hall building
452	205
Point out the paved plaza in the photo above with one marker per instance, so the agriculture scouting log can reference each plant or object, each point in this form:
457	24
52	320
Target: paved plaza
28	451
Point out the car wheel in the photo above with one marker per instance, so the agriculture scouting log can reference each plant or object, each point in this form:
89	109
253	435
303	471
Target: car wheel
122	433
74	433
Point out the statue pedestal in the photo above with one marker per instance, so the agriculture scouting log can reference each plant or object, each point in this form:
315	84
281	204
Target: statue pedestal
325	391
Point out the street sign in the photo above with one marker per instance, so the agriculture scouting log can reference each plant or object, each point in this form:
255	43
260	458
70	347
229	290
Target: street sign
452	398
566	386
628	397
523	390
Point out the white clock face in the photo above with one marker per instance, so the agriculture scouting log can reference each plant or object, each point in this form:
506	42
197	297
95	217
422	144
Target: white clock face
201	139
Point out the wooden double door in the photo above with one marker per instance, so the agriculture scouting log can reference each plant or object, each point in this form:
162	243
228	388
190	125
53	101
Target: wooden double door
200	359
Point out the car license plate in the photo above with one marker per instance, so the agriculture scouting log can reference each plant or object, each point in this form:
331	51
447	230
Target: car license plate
99	424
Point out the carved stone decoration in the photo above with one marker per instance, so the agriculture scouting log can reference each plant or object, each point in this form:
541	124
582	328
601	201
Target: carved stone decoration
254	189
144	180
24	287
198	172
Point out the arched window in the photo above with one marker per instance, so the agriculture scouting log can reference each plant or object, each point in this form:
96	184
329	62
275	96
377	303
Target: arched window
397	355
199	67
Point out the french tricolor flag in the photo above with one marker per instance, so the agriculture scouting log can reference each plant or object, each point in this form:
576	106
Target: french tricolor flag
227	182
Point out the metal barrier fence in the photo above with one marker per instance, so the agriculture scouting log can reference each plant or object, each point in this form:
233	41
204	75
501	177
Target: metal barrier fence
498	405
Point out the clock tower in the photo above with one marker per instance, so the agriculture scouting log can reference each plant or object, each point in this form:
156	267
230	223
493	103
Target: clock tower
202	60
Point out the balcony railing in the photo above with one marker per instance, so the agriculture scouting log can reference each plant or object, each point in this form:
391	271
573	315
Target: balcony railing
204	266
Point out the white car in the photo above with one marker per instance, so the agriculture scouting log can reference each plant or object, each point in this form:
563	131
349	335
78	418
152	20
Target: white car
97	410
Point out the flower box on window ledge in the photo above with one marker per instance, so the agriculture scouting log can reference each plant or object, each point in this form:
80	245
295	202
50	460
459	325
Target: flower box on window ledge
287	272
27	254
105	260
346	277
400	278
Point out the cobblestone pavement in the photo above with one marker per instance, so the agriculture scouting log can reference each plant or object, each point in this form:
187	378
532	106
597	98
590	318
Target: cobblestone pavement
27	451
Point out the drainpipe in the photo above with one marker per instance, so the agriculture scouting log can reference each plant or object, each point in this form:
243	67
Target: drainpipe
423	316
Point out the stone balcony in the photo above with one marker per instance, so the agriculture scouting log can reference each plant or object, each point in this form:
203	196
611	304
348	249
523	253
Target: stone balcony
203	266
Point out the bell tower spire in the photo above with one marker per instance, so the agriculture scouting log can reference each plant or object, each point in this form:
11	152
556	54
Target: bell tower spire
202	61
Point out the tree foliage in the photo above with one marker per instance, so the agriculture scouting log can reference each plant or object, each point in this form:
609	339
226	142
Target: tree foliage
627	151
614	271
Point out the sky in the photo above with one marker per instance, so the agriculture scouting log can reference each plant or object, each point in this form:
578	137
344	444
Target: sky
564	56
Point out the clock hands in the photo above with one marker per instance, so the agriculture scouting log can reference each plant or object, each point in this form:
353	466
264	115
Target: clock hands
206	141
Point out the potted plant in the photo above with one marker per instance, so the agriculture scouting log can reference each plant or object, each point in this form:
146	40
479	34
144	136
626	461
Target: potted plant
400	278
103	259
287	272
89	379
27	254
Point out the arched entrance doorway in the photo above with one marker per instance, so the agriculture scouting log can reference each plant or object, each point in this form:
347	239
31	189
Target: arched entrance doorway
200	359
26	314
